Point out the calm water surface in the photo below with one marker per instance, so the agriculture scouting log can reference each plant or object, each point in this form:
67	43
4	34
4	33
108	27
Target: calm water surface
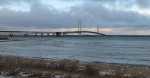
130	50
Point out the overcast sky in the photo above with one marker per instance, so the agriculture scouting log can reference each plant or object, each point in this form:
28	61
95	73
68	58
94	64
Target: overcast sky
113	16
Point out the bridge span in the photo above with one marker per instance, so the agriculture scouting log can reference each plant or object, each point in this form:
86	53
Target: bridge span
43	34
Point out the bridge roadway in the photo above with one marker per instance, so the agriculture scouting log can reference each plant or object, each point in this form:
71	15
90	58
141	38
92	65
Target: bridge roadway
41	33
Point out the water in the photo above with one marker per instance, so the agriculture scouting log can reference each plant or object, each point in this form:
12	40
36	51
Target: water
128	50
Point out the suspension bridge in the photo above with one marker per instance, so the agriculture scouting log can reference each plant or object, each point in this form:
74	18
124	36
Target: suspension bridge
78	32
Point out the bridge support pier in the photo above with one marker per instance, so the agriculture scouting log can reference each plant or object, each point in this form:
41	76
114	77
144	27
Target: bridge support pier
11	35
35	34
25	35
58	34
48	34
42	34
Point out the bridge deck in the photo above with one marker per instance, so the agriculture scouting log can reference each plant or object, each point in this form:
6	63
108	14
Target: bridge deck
59	33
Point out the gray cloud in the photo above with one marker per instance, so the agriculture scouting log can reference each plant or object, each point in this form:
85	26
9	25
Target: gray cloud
144	3
90	12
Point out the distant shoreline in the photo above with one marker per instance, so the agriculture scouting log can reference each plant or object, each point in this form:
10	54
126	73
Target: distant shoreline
7	37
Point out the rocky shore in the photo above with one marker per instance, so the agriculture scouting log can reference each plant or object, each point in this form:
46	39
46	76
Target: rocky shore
23	67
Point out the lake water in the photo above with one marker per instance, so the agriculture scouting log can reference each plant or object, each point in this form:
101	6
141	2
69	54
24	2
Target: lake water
128	50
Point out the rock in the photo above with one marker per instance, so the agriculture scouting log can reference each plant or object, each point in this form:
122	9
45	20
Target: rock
6	77
6	73
108	72
45	75
24	74
57	75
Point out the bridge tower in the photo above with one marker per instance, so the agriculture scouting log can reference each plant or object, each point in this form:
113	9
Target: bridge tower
79	27
98	30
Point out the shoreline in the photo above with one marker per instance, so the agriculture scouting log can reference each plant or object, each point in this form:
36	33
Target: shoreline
24	67
82	62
